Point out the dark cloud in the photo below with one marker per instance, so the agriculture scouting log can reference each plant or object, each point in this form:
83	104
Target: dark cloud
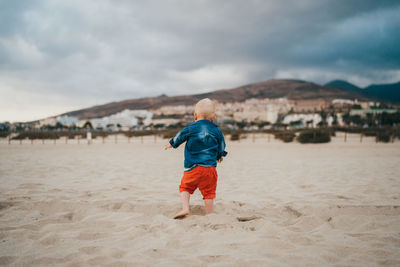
81	53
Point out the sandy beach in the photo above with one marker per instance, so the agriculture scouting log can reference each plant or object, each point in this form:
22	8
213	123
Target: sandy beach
335	204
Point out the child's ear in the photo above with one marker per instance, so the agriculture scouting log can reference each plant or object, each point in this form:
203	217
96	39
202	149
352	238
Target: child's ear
195	116
213	119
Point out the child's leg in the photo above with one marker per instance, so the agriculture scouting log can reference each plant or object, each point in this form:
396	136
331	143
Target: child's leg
209	203
185	198
208	186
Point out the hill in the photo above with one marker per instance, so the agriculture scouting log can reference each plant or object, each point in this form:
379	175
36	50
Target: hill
275	88
343	85
382	92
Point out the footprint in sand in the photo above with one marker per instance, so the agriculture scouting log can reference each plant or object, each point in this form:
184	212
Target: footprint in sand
293	211
29	186
5	205
247	218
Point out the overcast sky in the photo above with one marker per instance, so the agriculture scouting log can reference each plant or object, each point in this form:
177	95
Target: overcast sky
57	56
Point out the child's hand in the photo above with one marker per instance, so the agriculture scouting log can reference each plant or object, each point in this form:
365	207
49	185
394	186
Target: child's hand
167	146
220	159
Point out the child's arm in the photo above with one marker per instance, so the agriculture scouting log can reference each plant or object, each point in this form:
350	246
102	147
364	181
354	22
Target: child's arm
178	139
221	148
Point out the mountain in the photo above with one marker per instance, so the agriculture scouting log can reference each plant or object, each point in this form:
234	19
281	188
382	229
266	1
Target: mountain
382	92
343	85
275	88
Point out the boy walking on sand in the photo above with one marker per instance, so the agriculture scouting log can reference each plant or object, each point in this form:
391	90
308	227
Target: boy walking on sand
205	145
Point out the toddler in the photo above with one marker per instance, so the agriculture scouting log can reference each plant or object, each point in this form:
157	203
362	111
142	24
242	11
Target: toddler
205	145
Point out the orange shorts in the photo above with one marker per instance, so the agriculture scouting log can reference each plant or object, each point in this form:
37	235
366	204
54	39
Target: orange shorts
205	178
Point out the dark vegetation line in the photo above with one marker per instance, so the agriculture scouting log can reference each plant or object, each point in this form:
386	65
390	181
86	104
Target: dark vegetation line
385	127
314	135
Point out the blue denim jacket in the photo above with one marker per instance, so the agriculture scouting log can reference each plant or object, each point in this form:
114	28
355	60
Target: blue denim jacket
205	144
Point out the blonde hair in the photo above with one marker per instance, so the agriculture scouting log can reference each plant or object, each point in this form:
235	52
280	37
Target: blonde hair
205	108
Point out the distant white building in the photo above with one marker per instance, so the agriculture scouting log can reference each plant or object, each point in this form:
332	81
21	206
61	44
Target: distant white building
52	121
177	109
68	120
314	119
344	101
331	119
123	120
256	109
364	112
165	122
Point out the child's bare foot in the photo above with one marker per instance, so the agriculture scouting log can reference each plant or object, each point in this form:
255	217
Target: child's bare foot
181	214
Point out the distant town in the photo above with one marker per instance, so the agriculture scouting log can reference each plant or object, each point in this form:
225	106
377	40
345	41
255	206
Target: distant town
252	114
286	108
